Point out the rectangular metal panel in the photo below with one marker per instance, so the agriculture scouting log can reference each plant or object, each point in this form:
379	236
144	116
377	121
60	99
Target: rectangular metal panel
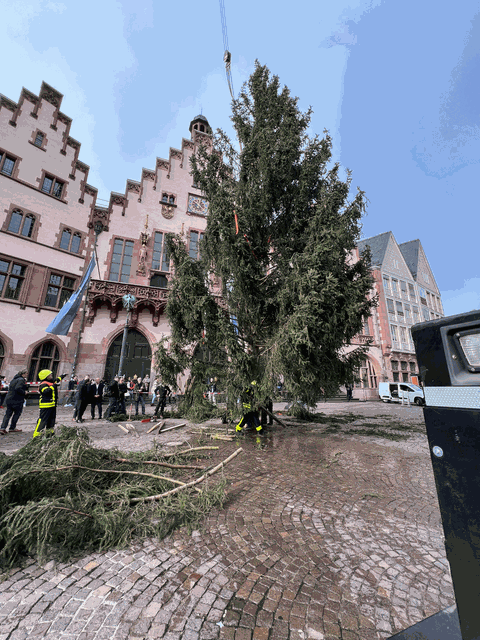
453	397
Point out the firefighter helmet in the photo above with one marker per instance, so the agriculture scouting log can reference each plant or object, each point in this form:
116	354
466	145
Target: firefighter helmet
44	373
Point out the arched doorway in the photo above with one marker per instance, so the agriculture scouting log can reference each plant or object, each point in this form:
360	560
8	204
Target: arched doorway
138	356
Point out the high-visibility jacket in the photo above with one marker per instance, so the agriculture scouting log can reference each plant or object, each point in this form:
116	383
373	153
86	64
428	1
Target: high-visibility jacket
48	393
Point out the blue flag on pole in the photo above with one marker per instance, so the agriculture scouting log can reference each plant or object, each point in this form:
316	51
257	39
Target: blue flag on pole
62	322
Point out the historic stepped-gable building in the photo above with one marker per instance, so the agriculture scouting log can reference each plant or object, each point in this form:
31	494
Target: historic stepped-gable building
48	224
407	294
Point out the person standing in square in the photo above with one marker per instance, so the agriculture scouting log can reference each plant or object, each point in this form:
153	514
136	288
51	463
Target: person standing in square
96	397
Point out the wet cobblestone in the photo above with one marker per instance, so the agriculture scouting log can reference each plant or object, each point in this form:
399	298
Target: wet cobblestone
325	535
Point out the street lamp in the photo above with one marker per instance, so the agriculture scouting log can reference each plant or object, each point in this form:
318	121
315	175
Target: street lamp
128	301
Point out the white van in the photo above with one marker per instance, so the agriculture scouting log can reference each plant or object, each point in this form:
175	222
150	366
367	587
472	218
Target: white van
393	391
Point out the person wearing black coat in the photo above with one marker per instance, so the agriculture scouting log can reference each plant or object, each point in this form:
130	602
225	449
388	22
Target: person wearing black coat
122	390
114	397
162	392
82	399
96	397
14	401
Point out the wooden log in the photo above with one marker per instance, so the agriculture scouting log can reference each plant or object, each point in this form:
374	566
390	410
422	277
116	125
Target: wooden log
189	484
176	426
154	427
123	428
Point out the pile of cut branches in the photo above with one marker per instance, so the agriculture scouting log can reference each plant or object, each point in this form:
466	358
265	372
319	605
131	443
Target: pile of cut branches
61	497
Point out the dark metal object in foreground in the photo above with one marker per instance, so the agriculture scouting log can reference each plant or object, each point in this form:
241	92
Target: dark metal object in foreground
448	354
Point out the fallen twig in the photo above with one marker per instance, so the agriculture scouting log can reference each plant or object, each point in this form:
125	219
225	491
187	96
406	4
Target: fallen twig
182	453
122	428
162	464
189	484
131	473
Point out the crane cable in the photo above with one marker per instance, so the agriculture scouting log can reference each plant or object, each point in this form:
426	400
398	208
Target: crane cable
227	59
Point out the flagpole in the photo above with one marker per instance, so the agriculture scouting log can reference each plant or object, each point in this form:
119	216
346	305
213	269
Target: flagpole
98	230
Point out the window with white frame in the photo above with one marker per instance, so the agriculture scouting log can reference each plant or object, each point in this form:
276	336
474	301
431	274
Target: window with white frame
403	288
416	317
408	315
194	248
390	306
160	258
393	330
121	260
395	286
399	307
411	290
386	284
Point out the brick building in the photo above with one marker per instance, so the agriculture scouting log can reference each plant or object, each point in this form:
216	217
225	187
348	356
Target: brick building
50	221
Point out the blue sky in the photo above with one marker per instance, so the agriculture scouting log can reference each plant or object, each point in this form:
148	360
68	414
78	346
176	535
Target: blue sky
396	82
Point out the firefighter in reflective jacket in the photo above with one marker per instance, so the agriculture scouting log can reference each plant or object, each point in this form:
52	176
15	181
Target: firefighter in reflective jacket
48	401
250	415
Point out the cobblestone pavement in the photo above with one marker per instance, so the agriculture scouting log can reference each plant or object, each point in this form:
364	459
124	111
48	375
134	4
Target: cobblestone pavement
324	535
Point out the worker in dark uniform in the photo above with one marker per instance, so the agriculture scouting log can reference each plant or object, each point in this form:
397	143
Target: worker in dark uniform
250	414
162	392
48	391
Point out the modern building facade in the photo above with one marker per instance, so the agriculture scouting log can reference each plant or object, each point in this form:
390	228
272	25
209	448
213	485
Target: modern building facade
51	224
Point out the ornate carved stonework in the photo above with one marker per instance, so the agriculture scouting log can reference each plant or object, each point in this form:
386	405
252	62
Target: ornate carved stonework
168	211
163	164
65	119
91	191
81	166
197	205
49	94
73	143
7	103
112	292
29	96
116	198
134	187
147	174
188	144
101	215
175	153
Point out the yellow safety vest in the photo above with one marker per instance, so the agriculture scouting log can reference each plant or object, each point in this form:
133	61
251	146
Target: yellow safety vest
47	398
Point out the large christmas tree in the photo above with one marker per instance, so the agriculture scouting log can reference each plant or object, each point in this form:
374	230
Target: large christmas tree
280	237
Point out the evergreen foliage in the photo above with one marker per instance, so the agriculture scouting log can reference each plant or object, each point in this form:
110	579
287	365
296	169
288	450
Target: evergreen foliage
52	508
280	237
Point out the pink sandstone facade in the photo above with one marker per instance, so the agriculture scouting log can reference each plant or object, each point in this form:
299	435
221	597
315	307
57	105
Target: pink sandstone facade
49	219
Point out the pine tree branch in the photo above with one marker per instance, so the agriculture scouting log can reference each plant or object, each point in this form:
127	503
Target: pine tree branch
189	484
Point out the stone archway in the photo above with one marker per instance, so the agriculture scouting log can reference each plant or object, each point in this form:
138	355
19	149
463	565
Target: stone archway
138	356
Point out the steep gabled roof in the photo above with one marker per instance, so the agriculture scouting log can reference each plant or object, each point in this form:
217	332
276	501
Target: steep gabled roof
410	251
378	246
